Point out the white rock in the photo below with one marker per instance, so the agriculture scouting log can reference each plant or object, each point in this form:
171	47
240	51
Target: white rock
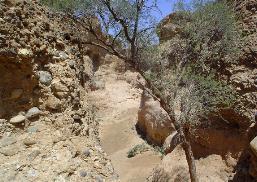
61	56
17	119
97	85
25	53
45	77
253	145
33	112
3	120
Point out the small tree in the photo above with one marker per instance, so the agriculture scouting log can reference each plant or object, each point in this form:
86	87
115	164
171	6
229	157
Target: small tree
188	97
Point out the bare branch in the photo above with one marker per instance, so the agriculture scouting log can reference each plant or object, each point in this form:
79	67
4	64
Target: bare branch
117	19
104	45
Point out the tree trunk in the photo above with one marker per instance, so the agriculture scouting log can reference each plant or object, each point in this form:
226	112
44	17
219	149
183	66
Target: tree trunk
189	156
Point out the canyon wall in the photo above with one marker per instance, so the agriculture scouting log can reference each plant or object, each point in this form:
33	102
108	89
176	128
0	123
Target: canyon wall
47	126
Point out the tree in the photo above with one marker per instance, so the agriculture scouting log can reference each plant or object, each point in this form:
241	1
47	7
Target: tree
186	95
189	98
129	23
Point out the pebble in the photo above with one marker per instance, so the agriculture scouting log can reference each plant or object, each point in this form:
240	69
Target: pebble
25	53
17	119
5	141
29	141
33	112
45	77
53	103
32	173
72	63
61	56
83	173
32	129
76	117
87	152
33	155
99	179
10	150
59	87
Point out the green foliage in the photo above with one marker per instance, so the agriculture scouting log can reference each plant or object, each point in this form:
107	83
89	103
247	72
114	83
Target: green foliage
138	149
212	34
159	150
219	37
185	69
213	94
200	93
61	4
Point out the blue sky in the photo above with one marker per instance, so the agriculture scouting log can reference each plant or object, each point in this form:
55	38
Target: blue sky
166	7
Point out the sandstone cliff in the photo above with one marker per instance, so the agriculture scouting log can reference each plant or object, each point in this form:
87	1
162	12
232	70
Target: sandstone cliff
47	127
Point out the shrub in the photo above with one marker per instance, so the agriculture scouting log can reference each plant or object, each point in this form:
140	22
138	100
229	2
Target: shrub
199	94
138	149
212	34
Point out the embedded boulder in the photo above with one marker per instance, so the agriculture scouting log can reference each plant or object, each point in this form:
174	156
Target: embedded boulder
59	89
153	121
53	103
33	112
17	119
45	77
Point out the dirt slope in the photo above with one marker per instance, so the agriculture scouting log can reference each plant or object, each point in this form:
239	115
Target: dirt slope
118	103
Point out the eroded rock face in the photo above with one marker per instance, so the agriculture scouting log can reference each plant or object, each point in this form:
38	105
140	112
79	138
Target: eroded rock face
40	93
220	141
153	121
17	86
